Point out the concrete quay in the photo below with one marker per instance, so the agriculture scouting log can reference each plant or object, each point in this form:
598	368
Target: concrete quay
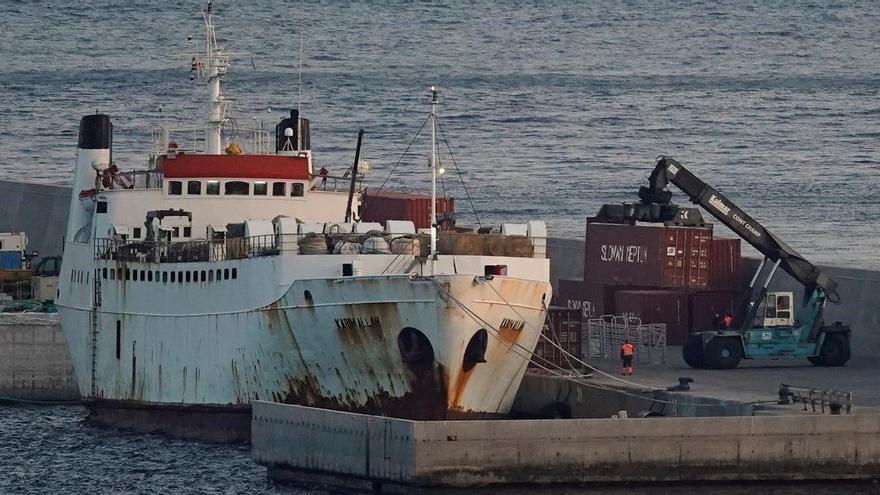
757	381
751	389
34	360
397	455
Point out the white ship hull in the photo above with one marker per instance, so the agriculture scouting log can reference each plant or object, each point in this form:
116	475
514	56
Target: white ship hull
328	342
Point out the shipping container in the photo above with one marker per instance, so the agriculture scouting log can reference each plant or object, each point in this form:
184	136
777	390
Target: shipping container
563	328
648	255
705	305
568	292
388	205
597	299
10	260
725	265
589	297
657	306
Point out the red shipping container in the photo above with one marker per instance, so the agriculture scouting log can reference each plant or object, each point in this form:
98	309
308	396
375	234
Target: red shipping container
568	292
657	306
596	300
705	305
725	265
389	205
563	328
648	256
589	297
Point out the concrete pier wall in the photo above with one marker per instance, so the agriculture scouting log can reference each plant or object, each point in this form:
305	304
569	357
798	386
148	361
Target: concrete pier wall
34	360
473	453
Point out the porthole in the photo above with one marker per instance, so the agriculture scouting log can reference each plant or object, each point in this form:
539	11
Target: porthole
415	348
475	352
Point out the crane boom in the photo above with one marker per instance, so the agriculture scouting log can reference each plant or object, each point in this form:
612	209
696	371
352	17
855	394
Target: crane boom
668	171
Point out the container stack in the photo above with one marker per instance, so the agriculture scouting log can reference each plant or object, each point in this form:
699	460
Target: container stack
561	344
680	276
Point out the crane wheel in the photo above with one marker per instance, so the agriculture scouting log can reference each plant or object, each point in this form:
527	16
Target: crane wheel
723	353
835	351
692	352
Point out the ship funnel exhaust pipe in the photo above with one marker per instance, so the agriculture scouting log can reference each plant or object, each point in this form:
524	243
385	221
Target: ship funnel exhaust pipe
95	132
93	157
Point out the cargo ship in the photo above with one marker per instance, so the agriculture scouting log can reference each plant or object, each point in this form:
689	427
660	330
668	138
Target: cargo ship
229	270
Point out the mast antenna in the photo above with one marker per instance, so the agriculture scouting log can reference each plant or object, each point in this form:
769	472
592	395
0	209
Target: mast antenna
434	103
213	65
302	36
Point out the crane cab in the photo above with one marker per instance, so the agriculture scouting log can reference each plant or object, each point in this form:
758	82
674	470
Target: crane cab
778	310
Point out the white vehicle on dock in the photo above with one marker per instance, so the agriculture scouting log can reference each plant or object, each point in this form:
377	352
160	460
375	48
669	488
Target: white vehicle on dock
229	271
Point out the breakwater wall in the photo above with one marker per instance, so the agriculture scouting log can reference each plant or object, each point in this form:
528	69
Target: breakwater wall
34	360
479	453
40	210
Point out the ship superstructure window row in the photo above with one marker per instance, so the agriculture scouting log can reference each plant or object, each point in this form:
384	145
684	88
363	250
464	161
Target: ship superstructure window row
159	276
235	188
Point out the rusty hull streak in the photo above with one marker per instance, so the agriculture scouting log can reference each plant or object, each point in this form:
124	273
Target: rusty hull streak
501	343
424	399
424	402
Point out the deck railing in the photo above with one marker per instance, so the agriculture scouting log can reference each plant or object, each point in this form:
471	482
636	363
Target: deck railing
374	242
192	140
233	248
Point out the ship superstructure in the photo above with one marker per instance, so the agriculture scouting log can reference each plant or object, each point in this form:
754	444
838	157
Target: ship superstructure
226	272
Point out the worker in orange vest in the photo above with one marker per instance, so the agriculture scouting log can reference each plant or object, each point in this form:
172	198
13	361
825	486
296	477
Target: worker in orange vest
627	350
728	320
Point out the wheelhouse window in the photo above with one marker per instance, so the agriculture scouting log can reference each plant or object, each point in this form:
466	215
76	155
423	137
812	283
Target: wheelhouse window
136	233
194	187
279	189
260	188
213	187
175	187
237	188
297	189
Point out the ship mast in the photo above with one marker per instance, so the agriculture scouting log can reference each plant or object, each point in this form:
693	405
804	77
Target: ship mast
434	104
214	66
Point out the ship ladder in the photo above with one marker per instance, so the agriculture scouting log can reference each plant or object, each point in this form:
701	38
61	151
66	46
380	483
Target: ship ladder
93	331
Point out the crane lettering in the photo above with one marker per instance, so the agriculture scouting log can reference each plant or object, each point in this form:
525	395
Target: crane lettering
719	205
